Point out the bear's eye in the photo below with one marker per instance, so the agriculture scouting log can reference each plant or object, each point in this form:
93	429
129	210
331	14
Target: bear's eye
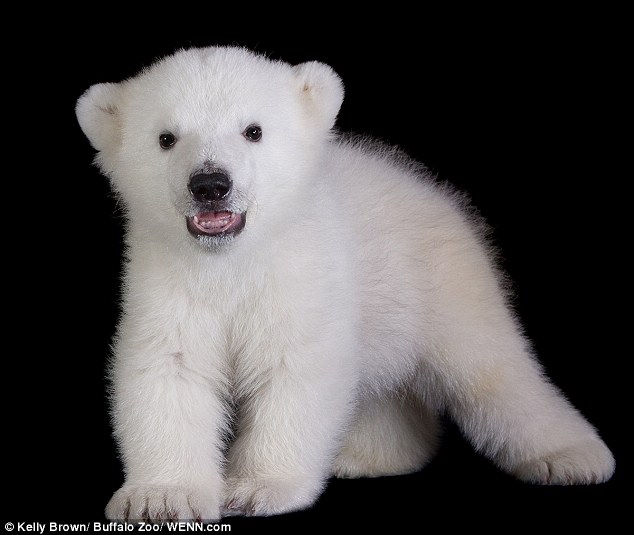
253	132
167	140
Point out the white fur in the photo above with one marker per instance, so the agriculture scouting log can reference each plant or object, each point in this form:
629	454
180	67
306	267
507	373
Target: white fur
359	301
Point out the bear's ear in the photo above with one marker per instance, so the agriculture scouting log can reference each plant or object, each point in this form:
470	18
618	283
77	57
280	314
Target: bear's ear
98	115
321	91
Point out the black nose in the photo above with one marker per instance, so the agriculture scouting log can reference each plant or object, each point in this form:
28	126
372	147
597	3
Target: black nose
206	187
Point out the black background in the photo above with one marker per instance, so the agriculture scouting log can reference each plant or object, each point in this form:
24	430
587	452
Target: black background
520	111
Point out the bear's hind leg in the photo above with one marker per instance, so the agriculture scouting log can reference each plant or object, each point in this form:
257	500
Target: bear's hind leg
389	436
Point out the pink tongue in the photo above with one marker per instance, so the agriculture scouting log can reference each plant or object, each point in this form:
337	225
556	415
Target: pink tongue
212	217
213	222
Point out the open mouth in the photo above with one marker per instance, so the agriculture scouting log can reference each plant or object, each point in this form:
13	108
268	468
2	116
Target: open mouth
216	223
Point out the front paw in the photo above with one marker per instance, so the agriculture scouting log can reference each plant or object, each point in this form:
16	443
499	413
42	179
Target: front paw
265	496
581	464
132	503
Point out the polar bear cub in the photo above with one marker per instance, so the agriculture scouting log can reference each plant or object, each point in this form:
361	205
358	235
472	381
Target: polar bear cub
322	296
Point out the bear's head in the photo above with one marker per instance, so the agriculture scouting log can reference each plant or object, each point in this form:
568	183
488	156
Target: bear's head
211	140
